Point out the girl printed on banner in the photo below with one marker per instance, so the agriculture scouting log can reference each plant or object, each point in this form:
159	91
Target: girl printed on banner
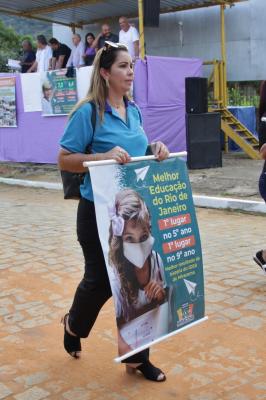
138	283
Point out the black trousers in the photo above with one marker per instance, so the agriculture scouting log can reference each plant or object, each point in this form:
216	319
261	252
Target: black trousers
262	184
94	289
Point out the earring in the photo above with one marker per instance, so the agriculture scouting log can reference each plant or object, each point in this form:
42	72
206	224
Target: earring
107	83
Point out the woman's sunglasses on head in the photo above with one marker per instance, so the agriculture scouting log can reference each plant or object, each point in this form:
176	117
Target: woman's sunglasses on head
108	45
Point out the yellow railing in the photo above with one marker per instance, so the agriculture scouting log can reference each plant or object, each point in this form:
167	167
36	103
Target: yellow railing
231	127
217	78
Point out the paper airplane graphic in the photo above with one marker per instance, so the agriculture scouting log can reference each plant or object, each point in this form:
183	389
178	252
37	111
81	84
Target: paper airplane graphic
191	286
141	173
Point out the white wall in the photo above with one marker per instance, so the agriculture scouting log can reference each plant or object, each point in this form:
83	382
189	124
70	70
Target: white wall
245	37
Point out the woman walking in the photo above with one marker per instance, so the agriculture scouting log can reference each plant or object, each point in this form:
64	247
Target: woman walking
118	135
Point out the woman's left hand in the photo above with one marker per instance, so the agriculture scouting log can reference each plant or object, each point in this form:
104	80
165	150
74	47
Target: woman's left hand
154	291
263	151
160	150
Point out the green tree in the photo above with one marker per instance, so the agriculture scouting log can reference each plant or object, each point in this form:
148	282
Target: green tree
10	46
22	26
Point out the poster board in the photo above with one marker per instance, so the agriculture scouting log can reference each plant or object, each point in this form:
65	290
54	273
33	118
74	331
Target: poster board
59	92
8	118
164	243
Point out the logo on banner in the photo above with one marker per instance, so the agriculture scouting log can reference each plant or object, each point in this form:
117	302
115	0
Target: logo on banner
185	314
192	289
141	175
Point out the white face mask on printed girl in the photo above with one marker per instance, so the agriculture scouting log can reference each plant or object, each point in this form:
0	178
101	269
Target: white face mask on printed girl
137	253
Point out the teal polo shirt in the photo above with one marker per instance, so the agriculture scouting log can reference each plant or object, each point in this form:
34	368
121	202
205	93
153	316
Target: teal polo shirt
113	131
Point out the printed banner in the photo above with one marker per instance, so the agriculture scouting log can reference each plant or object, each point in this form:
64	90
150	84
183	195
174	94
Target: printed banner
8	117
150	239
59	92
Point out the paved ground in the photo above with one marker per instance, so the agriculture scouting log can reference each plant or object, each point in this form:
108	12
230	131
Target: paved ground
41	263
237	178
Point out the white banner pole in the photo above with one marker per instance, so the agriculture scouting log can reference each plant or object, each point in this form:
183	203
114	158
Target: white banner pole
133	159
160	339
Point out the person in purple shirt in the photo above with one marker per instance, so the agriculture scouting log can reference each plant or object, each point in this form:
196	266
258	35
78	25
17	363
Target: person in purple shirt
90	51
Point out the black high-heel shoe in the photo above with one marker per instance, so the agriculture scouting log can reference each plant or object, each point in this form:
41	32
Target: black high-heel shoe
72	343
149	371
258	258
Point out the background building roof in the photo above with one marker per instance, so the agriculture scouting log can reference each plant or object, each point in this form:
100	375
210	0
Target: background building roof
83	12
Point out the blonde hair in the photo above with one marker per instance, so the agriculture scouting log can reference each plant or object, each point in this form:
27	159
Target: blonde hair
98	90
130	206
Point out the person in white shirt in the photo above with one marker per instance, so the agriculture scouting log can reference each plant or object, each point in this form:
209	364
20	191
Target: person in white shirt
43	56
129	36
76	57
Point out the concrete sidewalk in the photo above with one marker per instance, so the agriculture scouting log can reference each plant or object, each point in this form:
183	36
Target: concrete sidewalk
238	178
41	264
232	187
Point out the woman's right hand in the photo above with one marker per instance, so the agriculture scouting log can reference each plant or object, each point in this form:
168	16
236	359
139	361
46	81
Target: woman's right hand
118	154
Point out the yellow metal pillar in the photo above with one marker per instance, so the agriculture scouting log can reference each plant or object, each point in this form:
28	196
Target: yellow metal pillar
216	87
141	30
223	74
223	55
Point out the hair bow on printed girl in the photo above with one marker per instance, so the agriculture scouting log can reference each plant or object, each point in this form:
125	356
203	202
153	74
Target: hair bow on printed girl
118	222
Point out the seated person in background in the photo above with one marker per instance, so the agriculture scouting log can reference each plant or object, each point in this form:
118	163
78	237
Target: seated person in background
43	55
105	34
76	57
61	54
90	51
28	56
